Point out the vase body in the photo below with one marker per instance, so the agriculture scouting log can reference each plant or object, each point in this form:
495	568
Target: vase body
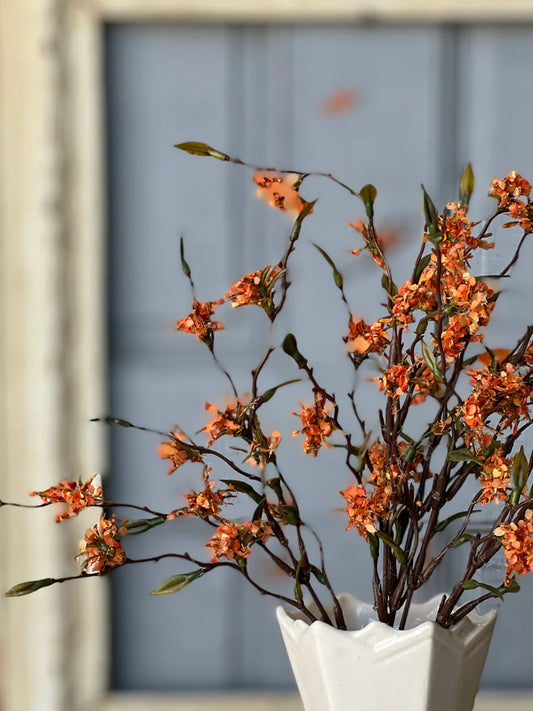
373	667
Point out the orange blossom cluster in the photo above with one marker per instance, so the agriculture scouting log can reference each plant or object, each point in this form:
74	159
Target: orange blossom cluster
234	540
254	288
280	191
206	503
101	549
77	495
507	191
198	322
363	338
175	452
317	425
517	544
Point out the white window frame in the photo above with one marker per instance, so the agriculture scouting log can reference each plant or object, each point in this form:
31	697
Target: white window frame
54	645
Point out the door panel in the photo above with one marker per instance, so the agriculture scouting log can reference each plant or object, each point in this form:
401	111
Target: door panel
266	95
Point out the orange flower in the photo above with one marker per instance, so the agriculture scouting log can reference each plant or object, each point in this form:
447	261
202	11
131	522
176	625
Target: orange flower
101	549
395	380
522	215
76	494
317	425
517	541
280	191
364	510
367	339
512	186
504	393
177	454
206	503
359	510
229	422
411	297
235	540
254	289
495	479
198	321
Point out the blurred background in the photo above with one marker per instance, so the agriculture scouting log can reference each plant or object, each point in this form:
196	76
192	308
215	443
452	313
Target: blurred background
94	202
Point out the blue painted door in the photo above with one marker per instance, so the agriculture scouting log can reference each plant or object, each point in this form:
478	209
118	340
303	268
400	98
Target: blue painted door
395	106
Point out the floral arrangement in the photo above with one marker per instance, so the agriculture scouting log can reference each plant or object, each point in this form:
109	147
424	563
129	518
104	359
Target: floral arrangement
427	346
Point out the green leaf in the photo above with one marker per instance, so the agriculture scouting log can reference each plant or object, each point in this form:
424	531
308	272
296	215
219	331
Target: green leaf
368	195
275	485
469	361
446	522
259	510
398	553
268	394
290	347
373	543
422	325
422	264
431	362
462	455
196	148
184	265
432	218
319	575
142	525
290	514
465	538
430	211
473	584
297	587
29	587
337	276
177	582
519	476
513	587
296	228
113	421
243	487
466	186
388	286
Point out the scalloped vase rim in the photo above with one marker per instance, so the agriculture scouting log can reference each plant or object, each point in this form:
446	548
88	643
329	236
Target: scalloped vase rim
366	621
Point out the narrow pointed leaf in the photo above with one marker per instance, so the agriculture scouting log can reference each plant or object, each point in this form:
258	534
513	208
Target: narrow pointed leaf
184	265
466	186
177	582
142	525
398	553
446	522
242	487
431	362
29	587
337	276
114	421
306	210
422	264
196	148
268	394
319	575
473	584
257	514
462	455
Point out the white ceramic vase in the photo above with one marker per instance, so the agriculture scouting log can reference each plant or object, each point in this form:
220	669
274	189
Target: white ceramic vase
373	667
